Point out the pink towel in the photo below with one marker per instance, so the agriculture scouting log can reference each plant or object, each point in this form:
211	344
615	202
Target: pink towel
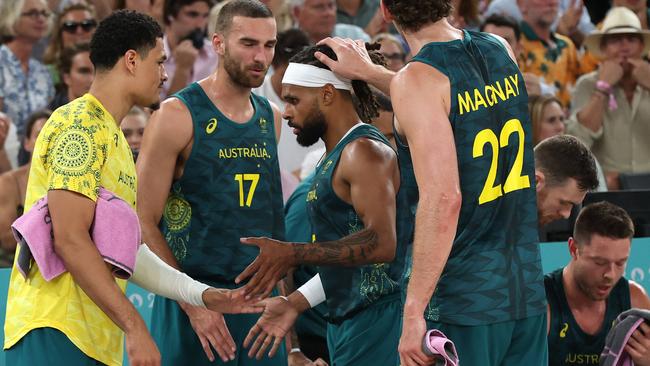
115	232
436	344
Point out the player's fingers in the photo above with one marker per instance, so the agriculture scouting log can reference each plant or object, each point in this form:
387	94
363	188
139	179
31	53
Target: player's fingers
257	344
254	331
277	341
223	335
250	270
222	349
326	60
206	348
257	289
267	341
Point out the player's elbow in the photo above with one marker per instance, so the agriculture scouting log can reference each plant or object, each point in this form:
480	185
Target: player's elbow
67	243
387	246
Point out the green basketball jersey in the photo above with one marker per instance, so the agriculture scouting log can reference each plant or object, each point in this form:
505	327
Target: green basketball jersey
567	343
230	188
350	289
494	271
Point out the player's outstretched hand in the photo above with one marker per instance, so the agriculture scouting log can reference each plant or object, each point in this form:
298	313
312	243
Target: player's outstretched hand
276	320
270	266
229	302
213	333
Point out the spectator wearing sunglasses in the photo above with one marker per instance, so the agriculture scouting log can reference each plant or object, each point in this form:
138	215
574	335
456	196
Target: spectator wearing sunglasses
25	84
190	56
392	49
74	25
77	73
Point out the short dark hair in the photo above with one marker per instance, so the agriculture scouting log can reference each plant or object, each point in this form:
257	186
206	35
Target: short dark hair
562	157
243	8
121	31
31	120
65	63
172	7
289	43
365	102
502	20
412	15
604	219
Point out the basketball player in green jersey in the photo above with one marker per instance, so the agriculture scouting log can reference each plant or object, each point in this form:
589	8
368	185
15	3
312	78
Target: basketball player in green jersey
476	267
587	295
477	273
208	173
354	206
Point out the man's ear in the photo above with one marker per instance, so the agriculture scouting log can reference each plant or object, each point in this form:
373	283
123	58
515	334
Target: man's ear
540	180
131	58
388	17
219	43
573	248
327	94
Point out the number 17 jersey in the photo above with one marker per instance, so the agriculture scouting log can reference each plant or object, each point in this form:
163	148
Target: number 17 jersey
230	188
494	271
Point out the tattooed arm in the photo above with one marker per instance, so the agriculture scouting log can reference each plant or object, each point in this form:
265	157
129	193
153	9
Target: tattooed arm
367	177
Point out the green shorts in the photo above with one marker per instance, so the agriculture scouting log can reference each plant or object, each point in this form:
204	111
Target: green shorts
516	342
369	338
179	344
47	346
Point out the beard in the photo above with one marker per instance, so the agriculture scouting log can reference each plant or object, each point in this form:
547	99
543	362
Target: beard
591	290
313	128
237	72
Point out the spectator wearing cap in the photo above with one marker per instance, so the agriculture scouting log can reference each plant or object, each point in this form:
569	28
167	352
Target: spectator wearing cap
190	56
611	105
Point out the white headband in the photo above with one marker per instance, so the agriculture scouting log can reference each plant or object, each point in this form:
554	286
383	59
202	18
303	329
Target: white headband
313	77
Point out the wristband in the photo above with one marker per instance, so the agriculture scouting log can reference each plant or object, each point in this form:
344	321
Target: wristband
295	350
313	291
605	88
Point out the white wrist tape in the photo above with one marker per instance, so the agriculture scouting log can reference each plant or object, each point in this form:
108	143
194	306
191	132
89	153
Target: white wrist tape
153	274
313	291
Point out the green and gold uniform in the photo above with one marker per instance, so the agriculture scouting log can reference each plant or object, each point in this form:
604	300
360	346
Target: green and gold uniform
490	297
568	344
363	303
230	188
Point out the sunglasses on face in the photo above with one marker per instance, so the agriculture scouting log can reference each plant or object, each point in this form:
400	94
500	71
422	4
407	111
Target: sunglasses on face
71	27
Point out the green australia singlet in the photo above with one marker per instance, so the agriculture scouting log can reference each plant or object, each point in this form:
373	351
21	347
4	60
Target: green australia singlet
350	289
230	189
567	343
494	271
